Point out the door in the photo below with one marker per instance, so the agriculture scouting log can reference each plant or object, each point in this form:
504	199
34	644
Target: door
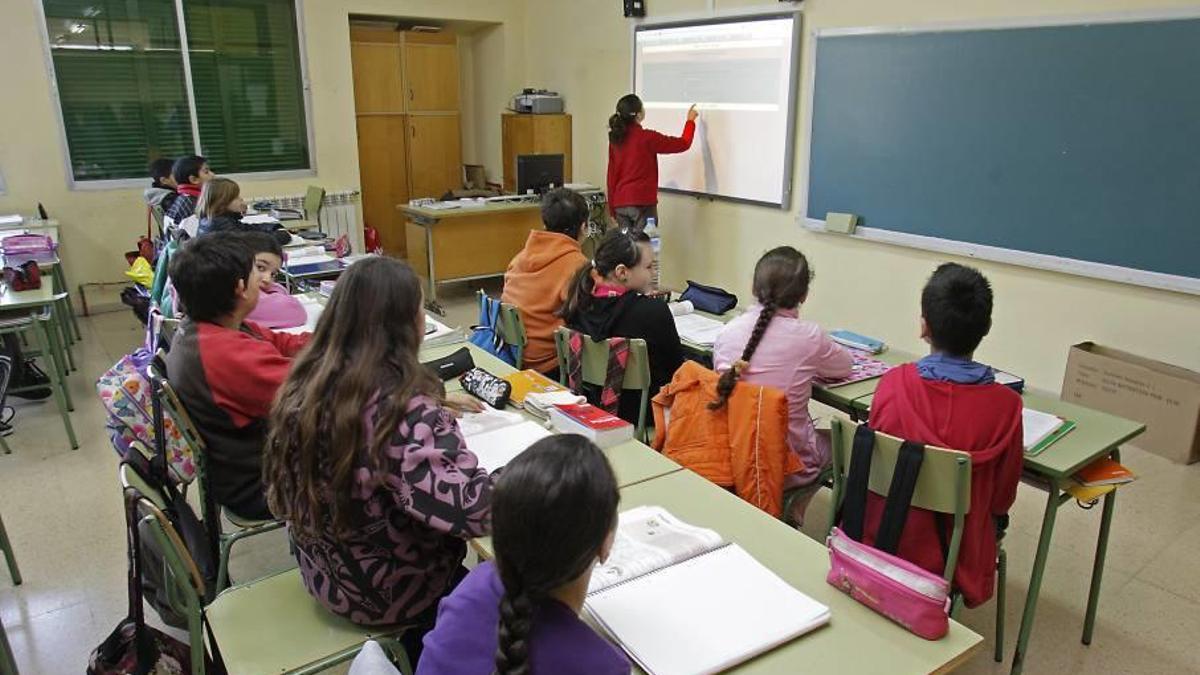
383	175
432	77
435	155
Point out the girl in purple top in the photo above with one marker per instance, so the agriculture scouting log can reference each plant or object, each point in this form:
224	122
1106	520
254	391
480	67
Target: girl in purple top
770	345
554	514
366	463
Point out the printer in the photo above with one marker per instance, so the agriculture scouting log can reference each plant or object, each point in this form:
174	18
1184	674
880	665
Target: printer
538	102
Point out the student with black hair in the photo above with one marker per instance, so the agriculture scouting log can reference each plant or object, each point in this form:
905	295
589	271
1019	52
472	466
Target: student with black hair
537	278
190	174
607	299
161	192
949	400
225	369
554	514
633	161
771	345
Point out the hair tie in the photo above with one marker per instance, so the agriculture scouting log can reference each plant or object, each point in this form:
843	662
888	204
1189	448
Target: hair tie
593	263
738	366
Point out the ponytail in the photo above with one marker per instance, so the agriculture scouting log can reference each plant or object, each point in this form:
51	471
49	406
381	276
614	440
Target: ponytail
628	107
729	378
579	293
619	247
512	645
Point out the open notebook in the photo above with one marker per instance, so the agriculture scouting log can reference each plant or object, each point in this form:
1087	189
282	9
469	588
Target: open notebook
681	601
1042	429
496	436
695	328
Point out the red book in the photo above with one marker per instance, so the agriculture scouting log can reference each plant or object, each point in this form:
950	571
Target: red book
1105	471
603	428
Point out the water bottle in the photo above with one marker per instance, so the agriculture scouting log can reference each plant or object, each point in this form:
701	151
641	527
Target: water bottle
655	245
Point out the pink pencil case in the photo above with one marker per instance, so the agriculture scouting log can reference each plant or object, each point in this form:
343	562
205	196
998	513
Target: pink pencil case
27	243
911	596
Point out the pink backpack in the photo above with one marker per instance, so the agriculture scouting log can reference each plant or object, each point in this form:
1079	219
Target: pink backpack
910	595
276	309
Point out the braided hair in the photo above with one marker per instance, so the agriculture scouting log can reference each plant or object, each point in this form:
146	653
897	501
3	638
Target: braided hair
553	507
628	107
781	280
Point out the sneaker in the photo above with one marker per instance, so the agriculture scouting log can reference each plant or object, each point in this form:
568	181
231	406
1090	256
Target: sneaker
32	376
6	418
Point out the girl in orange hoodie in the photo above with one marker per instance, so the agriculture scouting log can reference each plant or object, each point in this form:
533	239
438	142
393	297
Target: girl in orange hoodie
537	278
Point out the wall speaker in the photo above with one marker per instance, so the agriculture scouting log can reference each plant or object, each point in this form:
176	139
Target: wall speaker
635	8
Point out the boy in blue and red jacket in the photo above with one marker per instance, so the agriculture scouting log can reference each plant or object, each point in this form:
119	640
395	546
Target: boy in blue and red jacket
225	369
948	400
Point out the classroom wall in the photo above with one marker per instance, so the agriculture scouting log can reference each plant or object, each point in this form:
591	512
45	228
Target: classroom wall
99	225
584	49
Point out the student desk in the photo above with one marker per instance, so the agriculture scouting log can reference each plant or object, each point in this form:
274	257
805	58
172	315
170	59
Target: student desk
856	640
632	461
468	242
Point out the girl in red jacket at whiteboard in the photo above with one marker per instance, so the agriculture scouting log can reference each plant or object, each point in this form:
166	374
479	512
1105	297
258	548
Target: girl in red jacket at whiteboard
633	161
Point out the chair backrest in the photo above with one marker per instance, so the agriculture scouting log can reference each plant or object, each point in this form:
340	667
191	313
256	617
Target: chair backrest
595	360
156	211
173	408
312	203
943	485
512	330
5	376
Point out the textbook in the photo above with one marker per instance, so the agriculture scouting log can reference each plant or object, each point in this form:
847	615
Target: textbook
1041	430
525	382
680	600
496	437
692	327
602	428
858	341
1104	471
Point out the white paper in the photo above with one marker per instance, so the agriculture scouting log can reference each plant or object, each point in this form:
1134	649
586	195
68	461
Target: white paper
649	538
312	310
1037	426
706	614
439	329
682	307
698	329
495	449
259	219
490	419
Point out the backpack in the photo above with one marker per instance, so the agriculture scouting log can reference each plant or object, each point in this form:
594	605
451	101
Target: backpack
124	391
486	335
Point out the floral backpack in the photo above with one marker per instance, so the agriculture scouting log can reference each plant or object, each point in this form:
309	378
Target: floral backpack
125	392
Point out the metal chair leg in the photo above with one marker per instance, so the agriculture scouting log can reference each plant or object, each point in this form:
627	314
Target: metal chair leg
56	383
8	664
9	557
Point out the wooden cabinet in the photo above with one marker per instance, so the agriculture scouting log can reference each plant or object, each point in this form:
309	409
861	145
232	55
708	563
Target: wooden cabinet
434	155
406	100
431	72
383	175
523	134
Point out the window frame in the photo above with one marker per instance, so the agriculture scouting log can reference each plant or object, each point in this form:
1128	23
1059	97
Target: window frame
126	183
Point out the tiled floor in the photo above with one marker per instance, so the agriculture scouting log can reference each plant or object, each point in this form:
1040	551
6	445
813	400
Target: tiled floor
63	513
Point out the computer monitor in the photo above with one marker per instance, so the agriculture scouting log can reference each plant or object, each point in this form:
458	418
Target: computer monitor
539	172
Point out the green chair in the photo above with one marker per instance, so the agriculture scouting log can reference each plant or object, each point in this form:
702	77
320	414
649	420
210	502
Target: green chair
270	625
312	210
943	486
8	664
40	329
595	369
511	328
210	511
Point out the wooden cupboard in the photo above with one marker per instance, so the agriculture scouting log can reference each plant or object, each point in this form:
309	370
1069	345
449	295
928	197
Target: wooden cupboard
526	134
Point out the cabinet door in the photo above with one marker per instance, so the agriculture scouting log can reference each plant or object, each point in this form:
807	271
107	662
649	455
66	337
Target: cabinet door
434	155
376	69
552	136
383	175
431	77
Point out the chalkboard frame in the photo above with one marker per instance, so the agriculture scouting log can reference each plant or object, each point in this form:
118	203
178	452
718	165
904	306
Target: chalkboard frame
732	16
1086	268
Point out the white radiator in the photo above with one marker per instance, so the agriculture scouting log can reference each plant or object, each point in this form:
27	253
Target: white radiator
339	213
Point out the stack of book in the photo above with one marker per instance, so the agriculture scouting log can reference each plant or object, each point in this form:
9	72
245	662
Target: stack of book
602	428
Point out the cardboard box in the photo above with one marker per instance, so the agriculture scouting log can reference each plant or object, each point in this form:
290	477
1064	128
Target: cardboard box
1165	398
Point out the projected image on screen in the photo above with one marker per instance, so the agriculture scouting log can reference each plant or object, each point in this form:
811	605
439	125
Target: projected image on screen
740	74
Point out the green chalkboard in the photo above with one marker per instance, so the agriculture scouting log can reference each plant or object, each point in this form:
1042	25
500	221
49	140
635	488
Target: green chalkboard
1076	141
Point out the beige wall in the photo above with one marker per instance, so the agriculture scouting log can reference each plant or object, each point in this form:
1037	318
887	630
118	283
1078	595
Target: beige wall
583	50
98	225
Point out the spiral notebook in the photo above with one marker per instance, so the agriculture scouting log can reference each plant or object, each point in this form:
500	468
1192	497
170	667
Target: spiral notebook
682	601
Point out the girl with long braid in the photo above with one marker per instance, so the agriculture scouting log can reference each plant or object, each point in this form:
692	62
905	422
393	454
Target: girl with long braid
554	514
770	345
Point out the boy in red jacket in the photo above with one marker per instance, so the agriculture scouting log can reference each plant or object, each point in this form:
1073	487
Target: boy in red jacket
948	400
225	369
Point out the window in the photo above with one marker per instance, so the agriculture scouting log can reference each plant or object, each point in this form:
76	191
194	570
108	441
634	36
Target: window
122	84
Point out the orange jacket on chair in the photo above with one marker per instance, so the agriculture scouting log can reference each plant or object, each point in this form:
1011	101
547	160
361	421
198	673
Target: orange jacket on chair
741	446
